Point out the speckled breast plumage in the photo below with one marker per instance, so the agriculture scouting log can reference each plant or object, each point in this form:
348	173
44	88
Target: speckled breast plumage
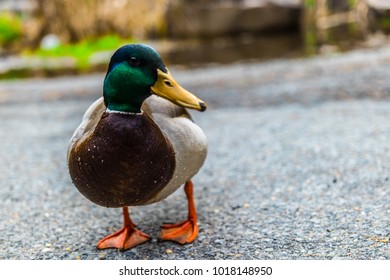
125	161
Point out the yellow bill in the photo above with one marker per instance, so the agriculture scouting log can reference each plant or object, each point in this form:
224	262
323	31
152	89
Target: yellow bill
168	88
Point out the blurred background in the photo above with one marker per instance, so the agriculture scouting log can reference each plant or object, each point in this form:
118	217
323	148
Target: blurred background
48	38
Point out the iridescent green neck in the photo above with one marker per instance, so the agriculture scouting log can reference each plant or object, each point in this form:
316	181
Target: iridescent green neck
125	89
133	106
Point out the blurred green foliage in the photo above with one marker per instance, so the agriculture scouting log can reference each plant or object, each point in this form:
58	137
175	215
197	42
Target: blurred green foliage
83	50
352	3
310	42
384	22
10	28
310	3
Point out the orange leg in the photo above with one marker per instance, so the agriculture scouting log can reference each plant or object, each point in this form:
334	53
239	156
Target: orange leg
187	231
125	238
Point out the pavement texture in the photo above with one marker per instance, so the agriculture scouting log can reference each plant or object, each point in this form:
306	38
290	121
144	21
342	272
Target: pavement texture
298	165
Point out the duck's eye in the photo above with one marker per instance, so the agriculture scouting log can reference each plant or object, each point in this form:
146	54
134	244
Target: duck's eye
134	61
168	83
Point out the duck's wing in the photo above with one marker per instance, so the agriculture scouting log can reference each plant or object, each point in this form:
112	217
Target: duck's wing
188	140
88	123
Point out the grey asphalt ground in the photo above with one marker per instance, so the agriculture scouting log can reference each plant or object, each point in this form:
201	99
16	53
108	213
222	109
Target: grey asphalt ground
298	165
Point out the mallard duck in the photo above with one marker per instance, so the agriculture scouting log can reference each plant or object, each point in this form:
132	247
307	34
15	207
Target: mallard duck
137	144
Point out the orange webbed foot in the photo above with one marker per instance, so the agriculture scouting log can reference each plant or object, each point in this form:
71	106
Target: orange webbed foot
184	232
125	238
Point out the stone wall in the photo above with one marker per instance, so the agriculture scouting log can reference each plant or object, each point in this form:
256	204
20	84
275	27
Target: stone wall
203	18
379	14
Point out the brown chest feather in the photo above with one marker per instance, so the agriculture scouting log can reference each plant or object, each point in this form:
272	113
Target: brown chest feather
125	161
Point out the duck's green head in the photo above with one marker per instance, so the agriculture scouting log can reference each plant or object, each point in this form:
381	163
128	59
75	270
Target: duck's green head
135	72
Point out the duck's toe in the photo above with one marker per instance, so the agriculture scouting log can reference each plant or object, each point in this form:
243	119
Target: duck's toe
184	232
